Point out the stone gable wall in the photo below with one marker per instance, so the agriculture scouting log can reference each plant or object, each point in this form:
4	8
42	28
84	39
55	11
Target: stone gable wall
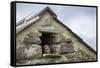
56	48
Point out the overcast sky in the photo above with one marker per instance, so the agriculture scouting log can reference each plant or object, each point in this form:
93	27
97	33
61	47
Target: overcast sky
82	20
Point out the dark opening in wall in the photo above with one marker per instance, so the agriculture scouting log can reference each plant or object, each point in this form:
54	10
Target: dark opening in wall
46	39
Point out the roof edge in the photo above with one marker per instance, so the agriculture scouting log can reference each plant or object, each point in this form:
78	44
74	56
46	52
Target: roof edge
79	39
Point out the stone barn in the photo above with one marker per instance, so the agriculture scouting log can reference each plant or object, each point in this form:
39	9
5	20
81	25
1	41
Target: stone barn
41	39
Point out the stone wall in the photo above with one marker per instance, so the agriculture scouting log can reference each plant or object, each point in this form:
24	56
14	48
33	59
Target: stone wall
29	49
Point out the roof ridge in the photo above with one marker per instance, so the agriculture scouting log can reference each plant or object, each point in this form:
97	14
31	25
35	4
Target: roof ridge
49	10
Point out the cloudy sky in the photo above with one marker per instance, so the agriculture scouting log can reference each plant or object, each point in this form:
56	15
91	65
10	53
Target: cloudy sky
82	20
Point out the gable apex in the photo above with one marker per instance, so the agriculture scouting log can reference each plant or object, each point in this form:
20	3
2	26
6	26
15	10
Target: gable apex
49	10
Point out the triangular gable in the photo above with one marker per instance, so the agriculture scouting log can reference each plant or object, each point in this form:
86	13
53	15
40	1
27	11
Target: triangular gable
55	17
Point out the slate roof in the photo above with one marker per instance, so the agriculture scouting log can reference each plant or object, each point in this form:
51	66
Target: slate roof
22	24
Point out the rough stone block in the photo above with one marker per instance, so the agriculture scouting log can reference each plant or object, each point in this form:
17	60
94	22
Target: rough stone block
20	52
56	48
32	40
34	51
67	47
68	40
27	52
47	49
34	34
62	48
58	38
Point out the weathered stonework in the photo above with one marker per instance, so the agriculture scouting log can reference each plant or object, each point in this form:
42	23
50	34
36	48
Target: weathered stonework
67	48
47	49
34	34
32	49
46	40
29	52
56	48
32	40
58	38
